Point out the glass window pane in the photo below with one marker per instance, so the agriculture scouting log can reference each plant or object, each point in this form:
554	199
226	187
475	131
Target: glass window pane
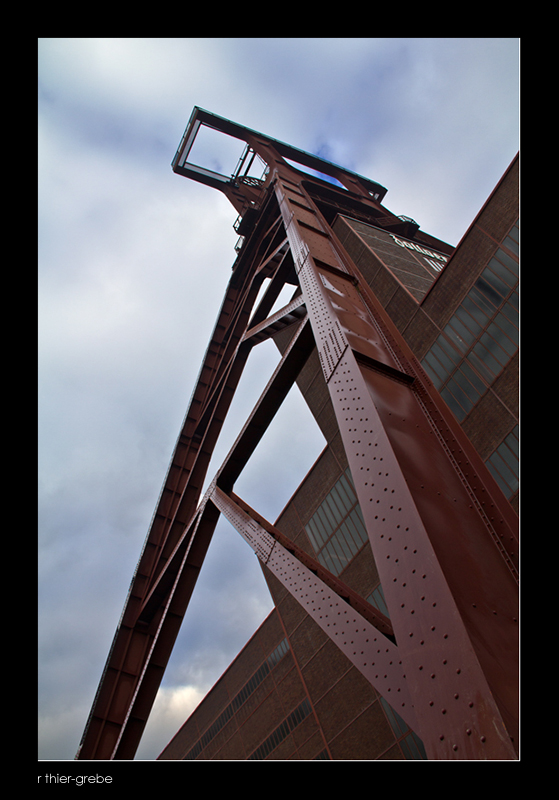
459	393
327	561
449	350
357	521
485	350
497	265
315	534
347	530
509	262
510	310
467	320
511	241
440	353
322	519
319	528
451	402
453	337
479	298
335	558
473	377
335	507
436	371
475	358
461	333
512	441
509	459
506	480
341	545
359	513
433	375
415	747
478	315
489	292
510	330
326	509
346	494
496	283
504	342
467	386
396	722
377	600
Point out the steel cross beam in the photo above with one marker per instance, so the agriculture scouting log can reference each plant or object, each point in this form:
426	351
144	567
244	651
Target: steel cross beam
181	530
362	634
442	534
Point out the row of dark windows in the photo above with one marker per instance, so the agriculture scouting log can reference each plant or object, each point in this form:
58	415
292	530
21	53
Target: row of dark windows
282	731
477	343
480	339
411	745
376	599
250	686
337	530
503	463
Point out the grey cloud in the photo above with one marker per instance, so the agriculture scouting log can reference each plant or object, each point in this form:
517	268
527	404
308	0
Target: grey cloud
133	263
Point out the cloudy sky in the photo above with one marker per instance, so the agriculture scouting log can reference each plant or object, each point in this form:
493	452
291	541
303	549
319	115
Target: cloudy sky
133	263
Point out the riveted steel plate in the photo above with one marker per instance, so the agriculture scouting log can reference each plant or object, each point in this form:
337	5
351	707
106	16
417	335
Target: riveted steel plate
330	340
374	655
392	451
259	539
442	670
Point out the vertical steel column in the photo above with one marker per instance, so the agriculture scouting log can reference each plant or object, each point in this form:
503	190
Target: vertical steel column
445	558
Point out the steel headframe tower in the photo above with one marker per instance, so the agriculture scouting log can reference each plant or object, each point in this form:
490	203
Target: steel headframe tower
443	536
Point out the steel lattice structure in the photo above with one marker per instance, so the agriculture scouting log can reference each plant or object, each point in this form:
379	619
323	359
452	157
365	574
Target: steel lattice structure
443	536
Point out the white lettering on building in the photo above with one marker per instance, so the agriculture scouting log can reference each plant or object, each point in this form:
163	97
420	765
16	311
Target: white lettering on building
412	246
435	264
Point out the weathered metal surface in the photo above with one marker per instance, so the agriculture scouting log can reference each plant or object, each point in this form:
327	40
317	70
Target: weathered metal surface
371	652
452	596
442	535
114	728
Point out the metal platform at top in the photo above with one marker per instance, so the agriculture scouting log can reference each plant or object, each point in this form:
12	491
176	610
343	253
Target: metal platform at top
267	149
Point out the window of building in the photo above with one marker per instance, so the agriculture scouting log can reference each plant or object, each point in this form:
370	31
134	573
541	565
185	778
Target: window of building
337	530
482	336
282	731
503	464
410	743
250	686
376	599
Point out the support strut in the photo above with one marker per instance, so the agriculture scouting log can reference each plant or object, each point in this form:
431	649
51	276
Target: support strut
443	536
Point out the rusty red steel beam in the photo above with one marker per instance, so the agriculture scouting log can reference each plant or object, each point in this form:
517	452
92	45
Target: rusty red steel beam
345	592
111	731
154	610
115	722
441	532
450	582
364	636
133	640
261	415
187	562
170	594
